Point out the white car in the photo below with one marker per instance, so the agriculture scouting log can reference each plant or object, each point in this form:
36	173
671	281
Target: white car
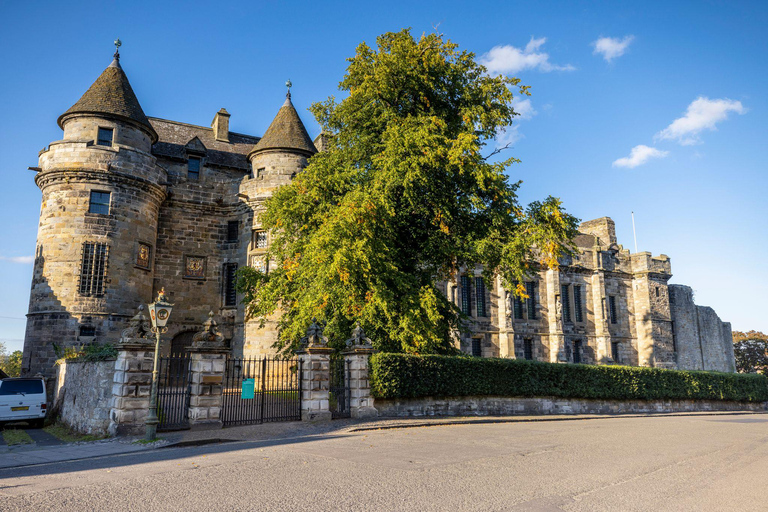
23	399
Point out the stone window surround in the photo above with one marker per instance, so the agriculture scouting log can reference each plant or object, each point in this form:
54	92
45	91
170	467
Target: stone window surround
205	268
136	252
113	129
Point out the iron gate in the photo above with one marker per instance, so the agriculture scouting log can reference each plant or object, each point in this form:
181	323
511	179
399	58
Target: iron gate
338	389
173	393
274	394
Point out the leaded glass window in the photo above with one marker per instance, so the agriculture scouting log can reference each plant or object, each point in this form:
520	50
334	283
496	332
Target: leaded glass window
259	239
480	296
466	298
530	290
578	304
565	299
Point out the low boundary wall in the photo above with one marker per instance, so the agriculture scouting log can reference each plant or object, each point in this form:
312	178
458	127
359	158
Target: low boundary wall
83	395
508	406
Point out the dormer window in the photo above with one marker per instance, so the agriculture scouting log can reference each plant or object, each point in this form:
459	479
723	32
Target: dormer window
193	168
105	137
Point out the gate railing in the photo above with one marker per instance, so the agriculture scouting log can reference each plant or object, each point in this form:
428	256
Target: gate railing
273	394
338	388
173	392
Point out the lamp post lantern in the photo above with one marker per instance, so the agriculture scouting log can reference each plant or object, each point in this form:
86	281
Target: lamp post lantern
159	312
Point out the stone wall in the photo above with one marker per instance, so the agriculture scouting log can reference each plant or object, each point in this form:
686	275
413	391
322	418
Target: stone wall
83	395
702	340
503	406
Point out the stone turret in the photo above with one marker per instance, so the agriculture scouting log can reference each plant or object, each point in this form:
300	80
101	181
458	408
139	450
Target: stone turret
101	193
283	152
284	149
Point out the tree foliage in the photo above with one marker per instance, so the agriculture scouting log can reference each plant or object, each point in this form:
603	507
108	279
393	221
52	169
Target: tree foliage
403	198
749	335
10	363
751	351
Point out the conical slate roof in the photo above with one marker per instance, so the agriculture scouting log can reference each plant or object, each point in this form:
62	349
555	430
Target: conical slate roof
111	94
286	132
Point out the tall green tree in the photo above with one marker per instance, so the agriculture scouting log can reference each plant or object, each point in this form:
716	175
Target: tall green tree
406	195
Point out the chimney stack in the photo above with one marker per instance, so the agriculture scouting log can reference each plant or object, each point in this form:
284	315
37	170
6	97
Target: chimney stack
220	125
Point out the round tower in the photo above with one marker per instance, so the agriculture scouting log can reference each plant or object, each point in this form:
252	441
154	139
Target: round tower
283	151
101	192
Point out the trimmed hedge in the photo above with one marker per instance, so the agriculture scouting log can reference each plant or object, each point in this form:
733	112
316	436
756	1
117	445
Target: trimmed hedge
410	376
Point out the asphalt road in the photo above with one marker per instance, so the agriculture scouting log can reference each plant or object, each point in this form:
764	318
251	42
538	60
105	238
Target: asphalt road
660	463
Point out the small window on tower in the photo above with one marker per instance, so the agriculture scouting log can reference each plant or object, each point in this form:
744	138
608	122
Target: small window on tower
99	202
105	137
233	227
193	168
259	239
87	331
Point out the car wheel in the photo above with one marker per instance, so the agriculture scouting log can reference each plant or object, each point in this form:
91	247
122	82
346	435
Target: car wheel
36	423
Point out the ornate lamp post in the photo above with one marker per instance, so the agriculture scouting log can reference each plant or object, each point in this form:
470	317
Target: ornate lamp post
159	311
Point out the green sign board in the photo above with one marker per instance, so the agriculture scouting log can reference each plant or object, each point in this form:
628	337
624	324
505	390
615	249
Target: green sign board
249	388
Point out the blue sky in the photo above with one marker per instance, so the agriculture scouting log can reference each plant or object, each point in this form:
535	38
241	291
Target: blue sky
683	83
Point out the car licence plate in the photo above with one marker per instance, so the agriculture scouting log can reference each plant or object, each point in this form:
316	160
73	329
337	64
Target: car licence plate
25	408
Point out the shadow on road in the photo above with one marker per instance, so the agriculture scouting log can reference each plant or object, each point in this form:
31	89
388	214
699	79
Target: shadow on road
155	455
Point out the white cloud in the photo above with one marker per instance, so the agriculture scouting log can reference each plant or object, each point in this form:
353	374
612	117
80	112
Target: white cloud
611	47
508	59
524	107
638	156
701	115
19	259
508	136
512	134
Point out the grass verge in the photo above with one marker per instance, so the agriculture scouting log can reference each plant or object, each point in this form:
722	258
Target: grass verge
144	441
66	434
13	436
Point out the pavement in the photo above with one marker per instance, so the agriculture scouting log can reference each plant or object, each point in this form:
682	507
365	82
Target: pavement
48	449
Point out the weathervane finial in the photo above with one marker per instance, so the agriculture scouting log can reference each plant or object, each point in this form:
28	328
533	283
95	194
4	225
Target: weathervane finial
288	84
118	44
